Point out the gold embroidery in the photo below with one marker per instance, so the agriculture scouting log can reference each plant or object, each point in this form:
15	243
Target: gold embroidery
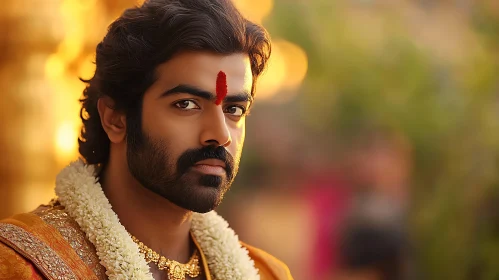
56	217
47	260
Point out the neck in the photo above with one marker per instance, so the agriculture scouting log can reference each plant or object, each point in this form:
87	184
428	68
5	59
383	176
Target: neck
159	224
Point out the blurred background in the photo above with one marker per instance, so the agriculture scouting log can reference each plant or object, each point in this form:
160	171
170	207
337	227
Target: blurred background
372	151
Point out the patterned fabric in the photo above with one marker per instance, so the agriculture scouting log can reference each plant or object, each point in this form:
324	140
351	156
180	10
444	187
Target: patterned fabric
56	217
48	244
49	256
36	251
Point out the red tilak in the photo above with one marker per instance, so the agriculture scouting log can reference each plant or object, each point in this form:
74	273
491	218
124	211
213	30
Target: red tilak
221	87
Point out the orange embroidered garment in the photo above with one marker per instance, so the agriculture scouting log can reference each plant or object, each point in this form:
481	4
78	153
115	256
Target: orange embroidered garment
48	244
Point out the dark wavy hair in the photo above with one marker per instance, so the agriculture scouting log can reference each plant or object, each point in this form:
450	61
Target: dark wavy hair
146	36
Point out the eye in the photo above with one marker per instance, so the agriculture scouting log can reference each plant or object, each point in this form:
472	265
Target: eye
237	111
186	105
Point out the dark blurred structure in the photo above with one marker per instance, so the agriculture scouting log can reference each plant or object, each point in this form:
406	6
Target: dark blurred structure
371	250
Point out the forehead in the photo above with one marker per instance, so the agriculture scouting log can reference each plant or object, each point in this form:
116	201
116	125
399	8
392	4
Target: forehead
201	69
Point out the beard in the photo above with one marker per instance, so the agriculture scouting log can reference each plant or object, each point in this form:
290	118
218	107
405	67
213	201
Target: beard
151	164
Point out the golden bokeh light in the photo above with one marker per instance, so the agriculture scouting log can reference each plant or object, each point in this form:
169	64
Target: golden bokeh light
254	10
54	67
86	67
286	71
71	47
33	193
62	69
74	18
296	64
67	90
66	140
273	77
85	5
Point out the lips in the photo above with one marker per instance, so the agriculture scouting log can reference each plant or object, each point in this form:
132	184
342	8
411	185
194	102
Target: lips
208	160
211	167
211	162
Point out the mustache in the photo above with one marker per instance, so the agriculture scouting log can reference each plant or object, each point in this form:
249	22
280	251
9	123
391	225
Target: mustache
190	157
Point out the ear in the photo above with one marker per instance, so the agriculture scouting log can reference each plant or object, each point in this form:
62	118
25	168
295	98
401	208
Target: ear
113	121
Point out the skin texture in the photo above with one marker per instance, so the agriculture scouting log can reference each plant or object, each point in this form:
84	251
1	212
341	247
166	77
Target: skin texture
143	180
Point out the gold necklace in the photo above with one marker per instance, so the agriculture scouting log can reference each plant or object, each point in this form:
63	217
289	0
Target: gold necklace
175	270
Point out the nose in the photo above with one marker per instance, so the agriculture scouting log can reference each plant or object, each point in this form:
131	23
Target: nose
215	132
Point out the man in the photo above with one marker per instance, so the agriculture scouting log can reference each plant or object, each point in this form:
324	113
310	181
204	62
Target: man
163	130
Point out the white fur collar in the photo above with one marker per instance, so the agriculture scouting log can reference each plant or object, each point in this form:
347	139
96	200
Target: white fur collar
80	193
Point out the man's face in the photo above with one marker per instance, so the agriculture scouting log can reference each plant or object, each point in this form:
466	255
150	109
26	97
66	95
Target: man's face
188	148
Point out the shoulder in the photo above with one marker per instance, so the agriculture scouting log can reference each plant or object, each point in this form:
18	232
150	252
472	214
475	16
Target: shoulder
68	231
14	266
270	267
51	232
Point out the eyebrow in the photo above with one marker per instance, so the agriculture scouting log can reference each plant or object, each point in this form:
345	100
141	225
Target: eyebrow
192	90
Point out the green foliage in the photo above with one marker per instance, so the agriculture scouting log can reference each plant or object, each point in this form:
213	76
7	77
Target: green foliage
449	112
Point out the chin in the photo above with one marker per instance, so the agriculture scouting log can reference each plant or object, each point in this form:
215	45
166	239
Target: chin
195	192
212	181
202	209
204	199
198	198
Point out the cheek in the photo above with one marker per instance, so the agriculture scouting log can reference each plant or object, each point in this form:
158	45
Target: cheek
177	134
237	135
